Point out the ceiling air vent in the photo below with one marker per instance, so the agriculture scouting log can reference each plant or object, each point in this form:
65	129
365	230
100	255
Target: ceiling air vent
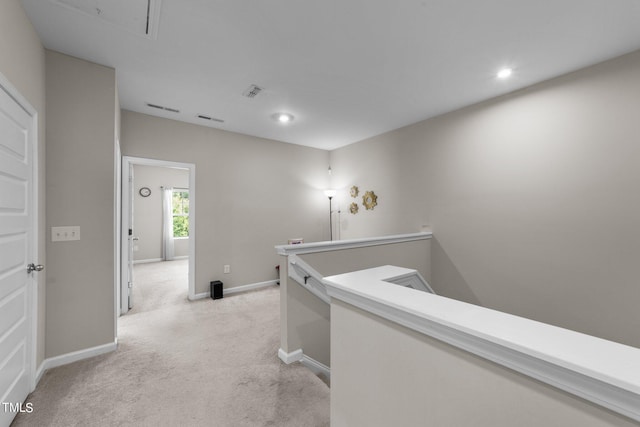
252	91
160	107
213	119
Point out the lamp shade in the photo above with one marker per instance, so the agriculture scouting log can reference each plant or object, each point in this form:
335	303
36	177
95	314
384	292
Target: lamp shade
329	193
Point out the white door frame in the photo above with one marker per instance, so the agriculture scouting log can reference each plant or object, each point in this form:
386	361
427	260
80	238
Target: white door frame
128	161
118	227
32	291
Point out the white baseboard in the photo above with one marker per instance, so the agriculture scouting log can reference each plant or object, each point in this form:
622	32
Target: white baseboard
237	289
289	358
250	287
150	260
147	261
308	362
200	296
315	366
65	359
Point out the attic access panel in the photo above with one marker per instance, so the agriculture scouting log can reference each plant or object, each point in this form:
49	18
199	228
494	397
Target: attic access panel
136	16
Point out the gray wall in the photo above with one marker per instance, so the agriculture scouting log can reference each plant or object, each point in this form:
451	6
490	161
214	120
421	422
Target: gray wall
415	254
251	193
147	211
81	132
383	374
22	62
533	198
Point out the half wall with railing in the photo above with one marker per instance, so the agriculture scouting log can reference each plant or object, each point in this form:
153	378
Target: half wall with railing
402	357
305	315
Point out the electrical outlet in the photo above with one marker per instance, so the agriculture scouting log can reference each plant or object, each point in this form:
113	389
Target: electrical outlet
65	234
227	269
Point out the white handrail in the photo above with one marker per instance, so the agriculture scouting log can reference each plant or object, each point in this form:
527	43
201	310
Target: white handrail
312	280
336	245
307	277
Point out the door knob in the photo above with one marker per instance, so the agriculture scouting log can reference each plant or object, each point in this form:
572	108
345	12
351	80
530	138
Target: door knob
32	267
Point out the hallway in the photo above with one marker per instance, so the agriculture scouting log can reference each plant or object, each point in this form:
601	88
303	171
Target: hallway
157	285
198	363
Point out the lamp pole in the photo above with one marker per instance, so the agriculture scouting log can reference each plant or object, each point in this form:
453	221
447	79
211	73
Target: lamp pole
330	220
330	194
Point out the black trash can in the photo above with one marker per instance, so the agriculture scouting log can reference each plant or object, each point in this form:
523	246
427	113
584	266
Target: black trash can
216	289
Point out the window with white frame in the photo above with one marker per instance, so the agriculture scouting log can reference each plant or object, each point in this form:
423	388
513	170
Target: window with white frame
180	205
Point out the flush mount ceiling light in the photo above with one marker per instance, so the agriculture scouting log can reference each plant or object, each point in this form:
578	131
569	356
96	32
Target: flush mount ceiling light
283	118
504	73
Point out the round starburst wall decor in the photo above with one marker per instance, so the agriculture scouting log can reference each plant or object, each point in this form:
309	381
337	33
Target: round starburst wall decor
370	200
354	191
353	208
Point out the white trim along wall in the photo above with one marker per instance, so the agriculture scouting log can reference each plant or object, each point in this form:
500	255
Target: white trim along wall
238	289
74	356
310	363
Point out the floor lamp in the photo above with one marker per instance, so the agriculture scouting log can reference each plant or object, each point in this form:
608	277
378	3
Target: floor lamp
330	194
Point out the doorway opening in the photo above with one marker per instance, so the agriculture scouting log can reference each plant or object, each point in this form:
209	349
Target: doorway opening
158	233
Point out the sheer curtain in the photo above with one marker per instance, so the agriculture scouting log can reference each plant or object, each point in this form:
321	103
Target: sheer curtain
167	223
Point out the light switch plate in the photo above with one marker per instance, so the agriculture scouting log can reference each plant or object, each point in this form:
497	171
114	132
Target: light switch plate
65	234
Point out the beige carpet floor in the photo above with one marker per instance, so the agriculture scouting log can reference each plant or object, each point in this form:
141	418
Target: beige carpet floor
180	363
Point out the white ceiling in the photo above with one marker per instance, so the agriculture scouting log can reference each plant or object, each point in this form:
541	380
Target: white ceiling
346	69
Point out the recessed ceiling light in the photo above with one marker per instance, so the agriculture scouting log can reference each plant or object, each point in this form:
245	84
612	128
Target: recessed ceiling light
282	117
504	73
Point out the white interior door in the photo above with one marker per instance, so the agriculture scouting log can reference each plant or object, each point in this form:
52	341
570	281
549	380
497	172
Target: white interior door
17	250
